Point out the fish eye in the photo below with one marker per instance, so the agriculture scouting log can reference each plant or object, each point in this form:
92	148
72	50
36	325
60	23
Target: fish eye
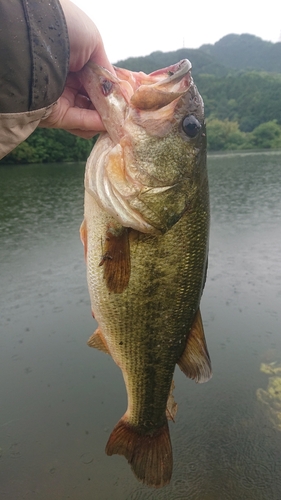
191	126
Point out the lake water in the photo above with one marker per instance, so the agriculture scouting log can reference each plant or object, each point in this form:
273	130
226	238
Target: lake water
59	399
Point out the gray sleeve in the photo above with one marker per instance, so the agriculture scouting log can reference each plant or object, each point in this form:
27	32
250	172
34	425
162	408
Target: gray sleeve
34	54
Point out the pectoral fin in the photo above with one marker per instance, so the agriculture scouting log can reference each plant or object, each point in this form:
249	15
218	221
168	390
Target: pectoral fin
195	360
116	260
98	341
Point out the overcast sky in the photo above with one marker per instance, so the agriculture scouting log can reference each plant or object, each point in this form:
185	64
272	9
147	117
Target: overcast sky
139	27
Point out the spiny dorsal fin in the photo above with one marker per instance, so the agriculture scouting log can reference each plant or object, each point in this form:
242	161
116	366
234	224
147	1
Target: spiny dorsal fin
195	360
116	260
98	341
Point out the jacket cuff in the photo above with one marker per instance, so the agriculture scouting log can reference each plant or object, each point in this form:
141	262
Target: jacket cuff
16	127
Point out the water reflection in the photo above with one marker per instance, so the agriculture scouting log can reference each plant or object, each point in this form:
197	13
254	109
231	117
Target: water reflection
60	399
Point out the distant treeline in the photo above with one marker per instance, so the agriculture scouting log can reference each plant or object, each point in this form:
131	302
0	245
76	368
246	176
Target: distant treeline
225	135
239	78
242	110
51	146
48	145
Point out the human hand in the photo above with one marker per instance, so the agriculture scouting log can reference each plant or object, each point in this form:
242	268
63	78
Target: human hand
74	111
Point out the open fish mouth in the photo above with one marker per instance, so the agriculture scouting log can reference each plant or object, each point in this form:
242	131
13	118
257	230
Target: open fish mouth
145	92
174	79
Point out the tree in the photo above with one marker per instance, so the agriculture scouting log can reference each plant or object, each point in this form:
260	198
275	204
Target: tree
50	145
223	134
267	135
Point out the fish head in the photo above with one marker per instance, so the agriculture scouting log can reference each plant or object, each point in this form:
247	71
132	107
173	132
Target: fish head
148	166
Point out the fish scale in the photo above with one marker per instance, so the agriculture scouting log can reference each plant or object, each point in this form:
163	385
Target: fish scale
126	328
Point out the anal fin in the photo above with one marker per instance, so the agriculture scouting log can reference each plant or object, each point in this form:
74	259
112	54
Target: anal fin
195	360
172	407
98	341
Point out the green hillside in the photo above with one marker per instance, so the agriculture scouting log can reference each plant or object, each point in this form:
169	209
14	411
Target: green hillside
250	98
202	62
246	52
232	52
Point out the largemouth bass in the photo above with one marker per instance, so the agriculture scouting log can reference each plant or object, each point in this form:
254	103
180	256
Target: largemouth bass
145	235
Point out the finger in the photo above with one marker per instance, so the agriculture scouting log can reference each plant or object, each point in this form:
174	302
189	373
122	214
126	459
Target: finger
84	134
81	101
87	120
99	56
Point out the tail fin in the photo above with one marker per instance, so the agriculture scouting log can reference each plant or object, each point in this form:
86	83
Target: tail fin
150	455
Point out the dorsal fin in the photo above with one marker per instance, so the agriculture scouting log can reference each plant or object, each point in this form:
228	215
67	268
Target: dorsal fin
195	360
